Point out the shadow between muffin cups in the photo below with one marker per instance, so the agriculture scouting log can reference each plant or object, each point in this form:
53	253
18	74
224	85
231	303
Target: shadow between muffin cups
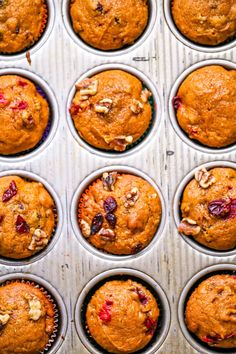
46	92
51	14
58	212
74	214
123	274
61	318
193	340
177	212
154	125
110	53
187	42
172	114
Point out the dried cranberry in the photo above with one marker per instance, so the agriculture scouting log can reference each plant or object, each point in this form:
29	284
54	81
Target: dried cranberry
2	99
151	325
142	297
137	248
231	335
10	192
220	208
111	219
177	102
96	223
21	225
1	218
22	83
109	204
105	312
21	105
232	209
211	339
234	276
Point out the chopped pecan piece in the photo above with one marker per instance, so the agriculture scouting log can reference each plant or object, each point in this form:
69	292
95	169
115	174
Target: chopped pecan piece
35	311
120	142
136	106
145	94
109	180
204	178
103	106
39	240
189	227
85	228
131	197
107	234
3	320
87	87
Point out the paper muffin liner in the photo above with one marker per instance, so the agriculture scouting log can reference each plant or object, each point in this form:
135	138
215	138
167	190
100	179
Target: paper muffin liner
55	333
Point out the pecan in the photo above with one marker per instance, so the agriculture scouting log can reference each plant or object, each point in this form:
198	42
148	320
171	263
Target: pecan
131	197
189	227
103	106
109	180
39	240
204	178
136	106
87	87
3	320
107	234
35	311
145	94
85	228
120	142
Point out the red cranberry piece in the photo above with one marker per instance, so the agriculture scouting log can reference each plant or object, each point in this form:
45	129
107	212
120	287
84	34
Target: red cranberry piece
233	209
21	105
151	325
177	102
231	335
111	219
234	276
21	225
142	297
105	312
109	204
10	192
137	248
96	223
2	99
219	208
22	83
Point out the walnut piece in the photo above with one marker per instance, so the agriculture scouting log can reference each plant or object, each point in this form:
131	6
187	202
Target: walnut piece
35	311
189	227
136	107
131	198
120	142
204	178
109	180
39	240
145	94
87	87
107	234
4	319
104	106
85	228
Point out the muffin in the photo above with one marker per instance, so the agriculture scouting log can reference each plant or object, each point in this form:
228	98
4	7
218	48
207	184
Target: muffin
208	208
21	24
109	25
24	113
27	219
205	22
119	213
26	318
206	106
122	316
111	110
210	311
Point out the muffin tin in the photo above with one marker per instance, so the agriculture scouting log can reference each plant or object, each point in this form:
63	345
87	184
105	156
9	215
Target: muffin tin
64	164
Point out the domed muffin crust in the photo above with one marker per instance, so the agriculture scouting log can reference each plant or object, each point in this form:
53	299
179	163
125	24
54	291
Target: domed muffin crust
27	217
24	114
21	24
109	25
111	110
207	106
207	22
122	316
208	208
119	213
210	311
26	319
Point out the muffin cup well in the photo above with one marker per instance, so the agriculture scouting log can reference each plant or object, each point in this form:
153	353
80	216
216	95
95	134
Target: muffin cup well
153	126
47	26
230	43
122	274
58	212
44	90
177	212
110	53
172	114
74	212
61	318
193	340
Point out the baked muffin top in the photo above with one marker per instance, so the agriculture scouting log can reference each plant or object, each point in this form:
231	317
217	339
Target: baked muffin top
111	110
210	311
109	25
207	22
27	217
26	319
24	113
119	213
122	316
206	106
208	208
21	24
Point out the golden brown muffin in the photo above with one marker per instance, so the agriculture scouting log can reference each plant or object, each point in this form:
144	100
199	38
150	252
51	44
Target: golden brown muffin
119	213
122	316
26	319
210	311
109	25
208	22
111	110
24	114
27	218
206	106
21	24
208	208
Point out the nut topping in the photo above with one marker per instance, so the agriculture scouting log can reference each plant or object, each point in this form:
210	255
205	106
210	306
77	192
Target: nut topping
104	106
120	142
136	106
39	240
204	178
145	94
189	227
85	228
132	197
3	320
87	87
107	234
35	311
109	180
